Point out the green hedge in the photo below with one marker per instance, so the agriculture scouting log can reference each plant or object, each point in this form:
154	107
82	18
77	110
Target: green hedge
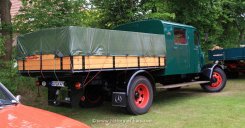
1	46
12	80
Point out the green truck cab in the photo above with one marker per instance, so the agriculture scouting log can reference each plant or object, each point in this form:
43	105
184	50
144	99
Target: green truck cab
183	51
153	51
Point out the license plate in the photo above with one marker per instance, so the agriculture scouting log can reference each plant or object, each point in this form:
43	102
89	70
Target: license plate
58	83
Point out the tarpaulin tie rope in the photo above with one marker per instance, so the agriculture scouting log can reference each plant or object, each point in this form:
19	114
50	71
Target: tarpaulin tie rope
55	70
88	72
95	74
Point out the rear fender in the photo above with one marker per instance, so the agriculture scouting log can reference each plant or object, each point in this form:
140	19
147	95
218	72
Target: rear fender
119	98
143	73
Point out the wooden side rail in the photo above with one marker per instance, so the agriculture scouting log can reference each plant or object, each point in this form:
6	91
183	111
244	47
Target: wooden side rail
50	62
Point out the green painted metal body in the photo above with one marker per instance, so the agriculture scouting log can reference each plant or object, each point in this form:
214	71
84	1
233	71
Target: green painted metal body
180	58
227	54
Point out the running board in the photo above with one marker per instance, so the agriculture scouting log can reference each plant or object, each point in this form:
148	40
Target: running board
181	84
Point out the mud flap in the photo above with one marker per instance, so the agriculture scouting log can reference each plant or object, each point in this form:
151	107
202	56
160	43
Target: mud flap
52	95
119	99
75	98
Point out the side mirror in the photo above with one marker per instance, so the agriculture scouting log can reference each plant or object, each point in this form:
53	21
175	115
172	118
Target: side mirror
18	98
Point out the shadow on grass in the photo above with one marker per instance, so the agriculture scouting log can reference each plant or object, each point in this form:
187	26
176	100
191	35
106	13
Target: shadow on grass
163	97
165	102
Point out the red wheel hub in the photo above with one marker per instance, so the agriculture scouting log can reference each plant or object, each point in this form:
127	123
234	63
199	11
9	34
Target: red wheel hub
142	95
218	80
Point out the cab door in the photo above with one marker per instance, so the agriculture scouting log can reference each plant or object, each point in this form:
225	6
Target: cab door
178	58
195	51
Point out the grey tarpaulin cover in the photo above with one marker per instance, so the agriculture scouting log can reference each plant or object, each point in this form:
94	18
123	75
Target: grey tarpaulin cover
71	41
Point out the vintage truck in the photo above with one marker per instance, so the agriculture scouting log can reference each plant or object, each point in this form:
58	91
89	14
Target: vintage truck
233	60
85	66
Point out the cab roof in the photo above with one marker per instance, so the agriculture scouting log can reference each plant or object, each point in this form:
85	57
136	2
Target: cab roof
161	21
176	24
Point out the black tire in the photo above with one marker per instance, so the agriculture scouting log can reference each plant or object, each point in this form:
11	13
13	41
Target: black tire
93	97
140	96
219	81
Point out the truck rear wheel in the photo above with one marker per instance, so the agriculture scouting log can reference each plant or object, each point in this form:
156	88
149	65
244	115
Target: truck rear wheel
218	81
92	97
140	96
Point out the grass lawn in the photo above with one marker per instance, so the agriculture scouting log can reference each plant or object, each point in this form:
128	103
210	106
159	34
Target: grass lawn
189	107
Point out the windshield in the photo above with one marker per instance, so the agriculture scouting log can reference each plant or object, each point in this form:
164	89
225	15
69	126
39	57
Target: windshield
6	98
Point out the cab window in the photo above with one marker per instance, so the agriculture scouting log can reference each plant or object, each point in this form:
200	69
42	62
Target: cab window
196	38
179	36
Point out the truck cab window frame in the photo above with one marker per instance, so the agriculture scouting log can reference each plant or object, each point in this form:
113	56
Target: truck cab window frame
180	36
196	38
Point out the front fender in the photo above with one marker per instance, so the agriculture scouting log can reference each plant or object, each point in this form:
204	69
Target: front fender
207	70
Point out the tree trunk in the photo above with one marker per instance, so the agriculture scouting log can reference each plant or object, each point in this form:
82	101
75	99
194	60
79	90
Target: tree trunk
241	35
5	6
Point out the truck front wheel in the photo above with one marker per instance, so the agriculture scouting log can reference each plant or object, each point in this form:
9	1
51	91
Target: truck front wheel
217	83
140	96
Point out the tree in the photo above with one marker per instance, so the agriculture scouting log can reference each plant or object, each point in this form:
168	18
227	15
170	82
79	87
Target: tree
6	26
115	12
156	9
235	9
216	18
39	14
222	20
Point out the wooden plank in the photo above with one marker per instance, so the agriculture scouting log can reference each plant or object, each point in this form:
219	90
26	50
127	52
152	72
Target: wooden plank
66	63
20	64
162	61
33	57
126	61
48	56
32	64
77	62
149	61
98	62
51	64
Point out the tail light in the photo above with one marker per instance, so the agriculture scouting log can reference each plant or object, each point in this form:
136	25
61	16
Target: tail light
78	85
37	83
82	98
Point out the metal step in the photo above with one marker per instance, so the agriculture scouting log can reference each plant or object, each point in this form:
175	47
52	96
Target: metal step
181	84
